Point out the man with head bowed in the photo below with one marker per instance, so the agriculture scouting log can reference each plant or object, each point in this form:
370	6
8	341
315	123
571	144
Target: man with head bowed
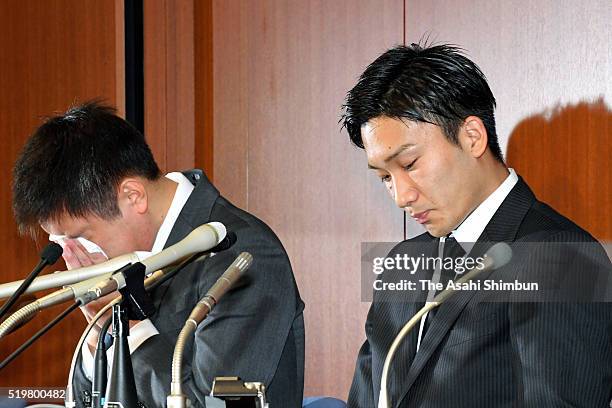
87	177
424	116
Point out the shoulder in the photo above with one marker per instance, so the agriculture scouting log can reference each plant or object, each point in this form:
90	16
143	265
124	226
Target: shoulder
543	223
248	228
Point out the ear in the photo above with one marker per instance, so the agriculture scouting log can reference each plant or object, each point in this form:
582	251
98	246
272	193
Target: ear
132	196
473	136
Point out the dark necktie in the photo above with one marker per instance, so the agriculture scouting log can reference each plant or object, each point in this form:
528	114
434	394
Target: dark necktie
452	250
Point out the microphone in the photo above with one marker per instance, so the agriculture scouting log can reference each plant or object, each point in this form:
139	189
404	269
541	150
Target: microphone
59	296
103	269
201	239
51	253
496	257
227	242
69	277
177	399
162	275
48	256
221	286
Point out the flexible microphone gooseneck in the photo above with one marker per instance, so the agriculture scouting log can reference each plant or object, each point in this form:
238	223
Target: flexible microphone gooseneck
38	334
177	399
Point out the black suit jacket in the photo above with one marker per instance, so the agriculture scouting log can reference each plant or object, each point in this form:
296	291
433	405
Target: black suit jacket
256	332
479	353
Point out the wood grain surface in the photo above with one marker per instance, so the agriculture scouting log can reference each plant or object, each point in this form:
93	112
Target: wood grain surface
52	55
281	70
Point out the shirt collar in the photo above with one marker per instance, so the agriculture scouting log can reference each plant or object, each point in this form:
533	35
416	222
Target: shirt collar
472	227
183	190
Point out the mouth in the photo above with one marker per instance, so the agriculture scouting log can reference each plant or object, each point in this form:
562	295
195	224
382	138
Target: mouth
421	217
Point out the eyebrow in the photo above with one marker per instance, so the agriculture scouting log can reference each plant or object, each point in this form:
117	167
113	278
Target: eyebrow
393	155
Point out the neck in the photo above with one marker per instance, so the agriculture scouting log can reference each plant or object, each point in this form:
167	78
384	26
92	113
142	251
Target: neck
497	173
161	194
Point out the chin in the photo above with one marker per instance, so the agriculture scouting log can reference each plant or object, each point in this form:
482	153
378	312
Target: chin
436	231
436	234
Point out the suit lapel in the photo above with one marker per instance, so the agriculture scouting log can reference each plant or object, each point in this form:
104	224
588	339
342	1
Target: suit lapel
197	208
506	222
442	322
503	227
408	307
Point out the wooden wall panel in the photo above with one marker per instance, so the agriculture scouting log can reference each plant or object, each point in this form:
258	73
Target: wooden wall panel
230	99
564	155
269	77
52	54
548	64
281	70
204	85
169	82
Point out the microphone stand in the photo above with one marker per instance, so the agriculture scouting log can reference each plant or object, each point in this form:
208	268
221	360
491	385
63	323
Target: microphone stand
135	305
69	401
153	281
98	383
121	391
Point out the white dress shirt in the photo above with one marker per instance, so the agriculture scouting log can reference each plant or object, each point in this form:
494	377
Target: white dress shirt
468	232
145	329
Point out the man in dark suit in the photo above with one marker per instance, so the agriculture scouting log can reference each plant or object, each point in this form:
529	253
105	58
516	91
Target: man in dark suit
424	116
89	175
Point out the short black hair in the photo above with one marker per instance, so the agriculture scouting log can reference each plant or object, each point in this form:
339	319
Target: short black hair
73	164
435	84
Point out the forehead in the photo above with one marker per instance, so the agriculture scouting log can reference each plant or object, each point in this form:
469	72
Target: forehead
382	136
68	225
383	125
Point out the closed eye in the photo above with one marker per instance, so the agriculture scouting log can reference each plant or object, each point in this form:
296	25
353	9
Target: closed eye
409	166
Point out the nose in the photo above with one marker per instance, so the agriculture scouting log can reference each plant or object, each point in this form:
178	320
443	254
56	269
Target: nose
405	192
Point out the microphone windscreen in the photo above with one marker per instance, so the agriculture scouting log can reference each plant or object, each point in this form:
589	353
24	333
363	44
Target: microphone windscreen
51	253
500	253
226	243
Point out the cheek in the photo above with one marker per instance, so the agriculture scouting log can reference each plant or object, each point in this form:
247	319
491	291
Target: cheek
429	184
114	243
440	180
115	248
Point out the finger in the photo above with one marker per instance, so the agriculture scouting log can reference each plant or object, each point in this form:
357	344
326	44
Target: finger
97	257
72	262
79	252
